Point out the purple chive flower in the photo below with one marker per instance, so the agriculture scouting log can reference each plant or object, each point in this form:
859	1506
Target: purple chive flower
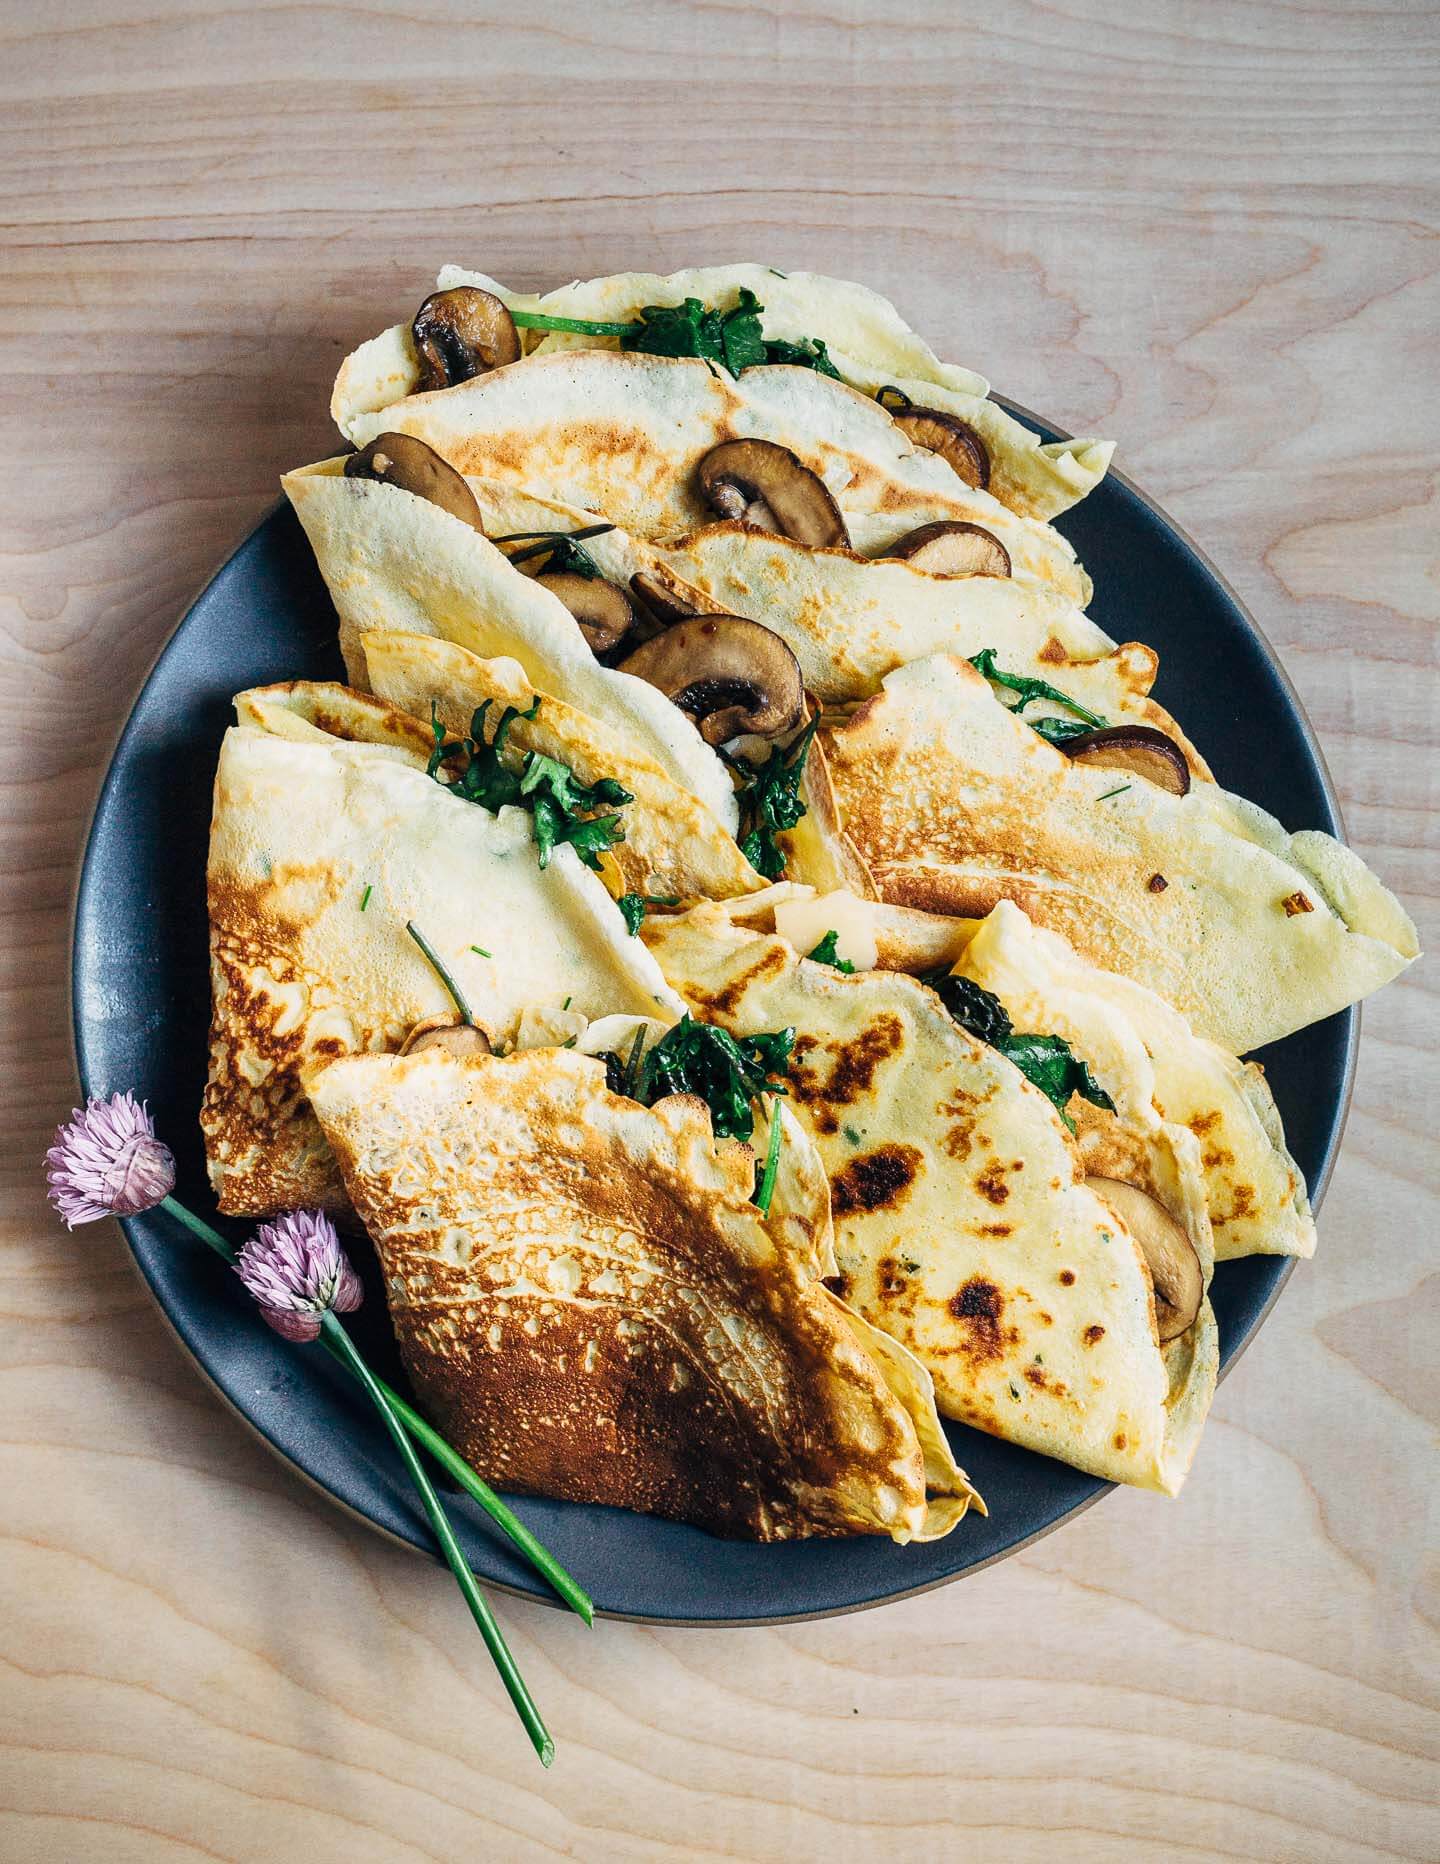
107	1162
297	1270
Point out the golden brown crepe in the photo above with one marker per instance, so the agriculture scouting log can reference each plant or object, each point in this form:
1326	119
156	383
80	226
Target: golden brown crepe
622	435
673	847
954	803
850	620
590	1306
1159	1074
869	344
963	1226
397	563
321	849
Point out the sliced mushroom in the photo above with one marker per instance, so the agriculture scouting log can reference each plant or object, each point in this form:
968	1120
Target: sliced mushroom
602	609
1139	750
657	600
956	442
446	1031
953	548
766	487
1169	1254
729	674
462	333
401	459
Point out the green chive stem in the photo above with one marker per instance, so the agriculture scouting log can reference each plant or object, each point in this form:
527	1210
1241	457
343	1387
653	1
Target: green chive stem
449	1459
479	1609
457	996
772	1162
576	326
569	537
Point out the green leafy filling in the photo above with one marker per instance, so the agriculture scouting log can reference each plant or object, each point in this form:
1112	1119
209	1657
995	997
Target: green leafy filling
769	802
732	338
1047	1061
727	1072
632	911
562	808
1053	730
827	952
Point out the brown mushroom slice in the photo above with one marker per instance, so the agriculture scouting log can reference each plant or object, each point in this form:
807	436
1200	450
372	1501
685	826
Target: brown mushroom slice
767	487
462	333
401	459
1169	1254
602	609
956	442
657	600
953	547
1138	750
446	1031
730	675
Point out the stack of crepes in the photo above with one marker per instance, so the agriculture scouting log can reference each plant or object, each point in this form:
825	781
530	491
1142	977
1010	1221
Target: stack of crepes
745	945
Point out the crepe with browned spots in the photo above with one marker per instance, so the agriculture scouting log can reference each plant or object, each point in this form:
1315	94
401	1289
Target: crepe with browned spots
591	1306
963	1225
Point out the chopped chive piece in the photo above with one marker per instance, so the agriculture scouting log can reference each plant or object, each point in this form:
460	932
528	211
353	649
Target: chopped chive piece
566	1004
634	1066
1109	793
766	1188
575	326
481	952
365	898
457	996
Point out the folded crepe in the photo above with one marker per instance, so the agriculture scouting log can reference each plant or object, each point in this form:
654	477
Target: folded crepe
323	845
590	1305
1159	1073
394	562
954	803
673	848
850	620
964	1223
623	435
1216	1111
398	564
868	343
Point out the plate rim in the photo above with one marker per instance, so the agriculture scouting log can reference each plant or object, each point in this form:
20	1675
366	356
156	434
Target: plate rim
82	888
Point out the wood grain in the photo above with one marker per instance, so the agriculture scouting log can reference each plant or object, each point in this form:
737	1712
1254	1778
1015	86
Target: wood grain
1207	228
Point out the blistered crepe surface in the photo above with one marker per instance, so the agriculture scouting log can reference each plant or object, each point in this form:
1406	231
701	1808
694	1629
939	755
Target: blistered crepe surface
961	1226
954	804
1154	1066
868	341
623	434
591	1306
394	562
320	851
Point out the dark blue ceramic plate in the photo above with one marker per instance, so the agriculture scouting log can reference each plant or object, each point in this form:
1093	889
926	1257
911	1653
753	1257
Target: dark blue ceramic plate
141	1009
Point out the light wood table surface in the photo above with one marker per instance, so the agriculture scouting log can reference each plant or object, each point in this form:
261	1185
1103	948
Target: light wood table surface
1208	229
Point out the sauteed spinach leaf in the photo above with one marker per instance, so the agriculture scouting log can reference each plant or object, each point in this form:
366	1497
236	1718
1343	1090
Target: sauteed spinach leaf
1053	730
563	809
769	800
1048	1061
726	1071
732	338
827	952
